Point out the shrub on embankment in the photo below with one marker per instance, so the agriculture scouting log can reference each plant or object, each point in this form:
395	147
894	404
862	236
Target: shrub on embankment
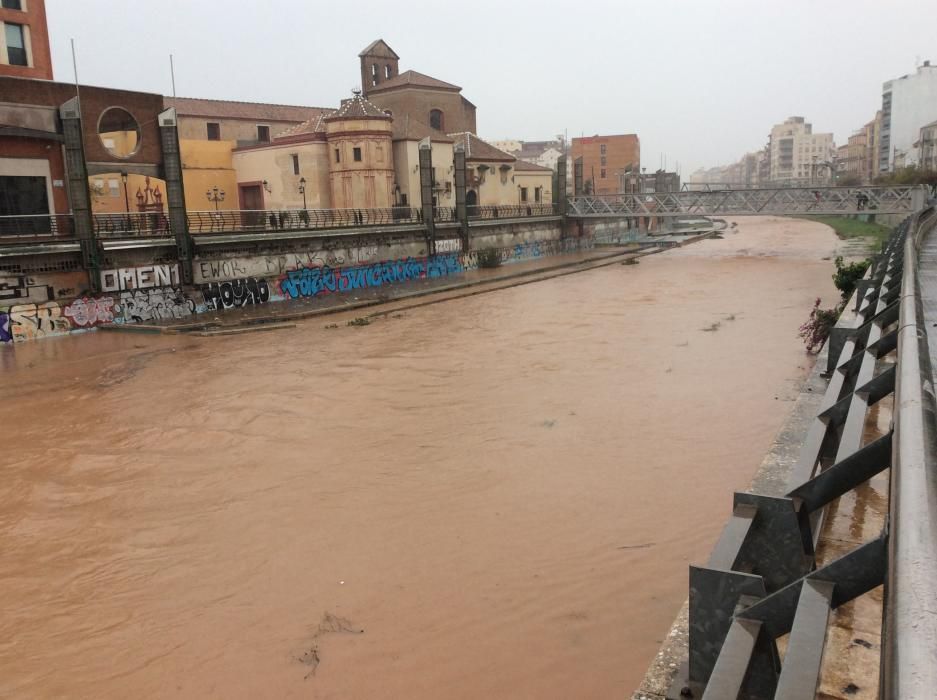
816	329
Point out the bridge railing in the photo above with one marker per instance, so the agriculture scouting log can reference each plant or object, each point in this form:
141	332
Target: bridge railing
778	201
763	580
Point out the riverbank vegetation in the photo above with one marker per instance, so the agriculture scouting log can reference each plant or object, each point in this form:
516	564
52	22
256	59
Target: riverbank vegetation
847	228
816	329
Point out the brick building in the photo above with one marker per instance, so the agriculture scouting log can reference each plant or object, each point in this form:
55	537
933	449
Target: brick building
120	135
436	103
24	40
606	160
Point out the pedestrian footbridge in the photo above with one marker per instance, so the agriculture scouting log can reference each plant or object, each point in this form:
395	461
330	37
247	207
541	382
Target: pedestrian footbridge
751	202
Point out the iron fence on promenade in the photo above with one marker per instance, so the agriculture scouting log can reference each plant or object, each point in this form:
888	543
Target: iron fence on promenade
763	581
132	225
156	224
39	226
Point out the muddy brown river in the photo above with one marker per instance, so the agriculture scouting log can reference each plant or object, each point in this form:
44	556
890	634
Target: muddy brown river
496	496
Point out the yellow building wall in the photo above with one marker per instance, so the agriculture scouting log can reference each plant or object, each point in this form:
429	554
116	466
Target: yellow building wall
495	188
275	165
407	171
532	180
107	192
206	165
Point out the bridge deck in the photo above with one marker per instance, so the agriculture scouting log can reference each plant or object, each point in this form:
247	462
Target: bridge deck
778	201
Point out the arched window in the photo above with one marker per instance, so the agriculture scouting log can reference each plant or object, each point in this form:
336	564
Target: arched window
436	119
388	72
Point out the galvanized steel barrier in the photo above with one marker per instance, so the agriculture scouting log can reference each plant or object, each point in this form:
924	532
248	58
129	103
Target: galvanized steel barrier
763	581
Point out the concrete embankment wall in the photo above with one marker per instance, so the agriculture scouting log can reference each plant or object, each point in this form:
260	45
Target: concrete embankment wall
44	295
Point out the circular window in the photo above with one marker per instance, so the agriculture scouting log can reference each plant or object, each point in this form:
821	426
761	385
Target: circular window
119	132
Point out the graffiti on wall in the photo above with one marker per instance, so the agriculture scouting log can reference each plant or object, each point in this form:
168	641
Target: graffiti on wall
275	265
235	293
20	289
145	277
34	321
6	335
87	312
140	305
310	282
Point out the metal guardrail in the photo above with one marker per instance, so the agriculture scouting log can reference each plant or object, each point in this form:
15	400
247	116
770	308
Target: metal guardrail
762	580
156	224
517	211
132	225
230	221
776	201
40	226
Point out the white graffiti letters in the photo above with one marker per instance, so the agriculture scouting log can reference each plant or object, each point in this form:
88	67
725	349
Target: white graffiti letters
88	312
139	277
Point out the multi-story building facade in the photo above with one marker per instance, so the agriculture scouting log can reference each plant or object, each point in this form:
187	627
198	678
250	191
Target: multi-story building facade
926	146
908	103
744	173
24	40
606	160
797	155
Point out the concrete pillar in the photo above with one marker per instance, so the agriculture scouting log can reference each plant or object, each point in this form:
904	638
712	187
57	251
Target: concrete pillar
561	185
461	211
175	194
426	194
76	170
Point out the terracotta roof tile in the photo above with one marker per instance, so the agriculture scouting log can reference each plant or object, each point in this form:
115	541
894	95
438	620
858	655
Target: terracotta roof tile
407	128
525	166
379	47
316	125
230	109
476	149
412	78
357	108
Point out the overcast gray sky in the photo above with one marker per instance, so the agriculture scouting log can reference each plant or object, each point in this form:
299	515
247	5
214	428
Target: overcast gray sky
699	80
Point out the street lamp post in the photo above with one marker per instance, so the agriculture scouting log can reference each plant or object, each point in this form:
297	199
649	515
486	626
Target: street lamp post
215	195
123	178
302	190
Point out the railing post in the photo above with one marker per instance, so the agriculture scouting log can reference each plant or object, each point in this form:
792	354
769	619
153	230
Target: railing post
461	212
426	194
78	195
175	194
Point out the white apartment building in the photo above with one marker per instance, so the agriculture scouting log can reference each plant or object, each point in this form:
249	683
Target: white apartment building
908	103
799	156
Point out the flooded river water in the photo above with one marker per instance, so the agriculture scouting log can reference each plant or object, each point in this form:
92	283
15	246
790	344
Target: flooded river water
496	496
